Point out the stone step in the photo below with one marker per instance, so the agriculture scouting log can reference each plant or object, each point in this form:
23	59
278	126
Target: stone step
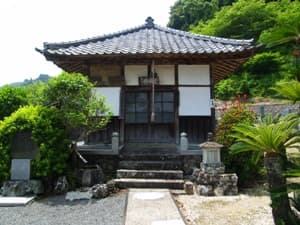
151	165
149	156
149	183
150	174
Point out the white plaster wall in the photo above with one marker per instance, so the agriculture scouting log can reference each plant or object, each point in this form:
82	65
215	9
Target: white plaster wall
112	96
166	74
194	101
133	72
193	75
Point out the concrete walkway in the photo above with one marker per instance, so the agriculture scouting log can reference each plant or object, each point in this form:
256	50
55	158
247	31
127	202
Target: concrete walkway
152	207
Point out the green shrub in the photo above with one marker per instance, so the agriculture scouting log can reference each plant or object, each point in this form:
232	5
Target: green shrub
241	164
264	63
48	133
72	95
11	98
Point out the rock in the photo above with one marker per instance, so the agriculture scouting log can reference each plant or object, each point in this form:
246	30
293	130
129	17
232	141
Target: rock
14	188
111	186
99	191
219	191
78	195
189	187
90	175
61	185
35	186
205	190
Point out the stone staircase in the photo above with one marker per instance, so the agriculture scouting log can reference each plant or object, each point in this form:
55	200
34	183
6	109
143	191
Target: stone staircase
172	179
151	167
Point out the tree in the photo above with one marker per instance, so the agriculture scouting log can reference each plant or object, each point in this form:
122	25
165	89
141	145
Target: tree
269	138
286	31
11	98
244	19
185	13
73	95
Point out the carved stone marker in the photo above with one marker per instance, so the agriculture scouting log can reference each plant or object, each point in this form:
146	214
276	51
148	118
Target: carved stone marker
23	147
20	169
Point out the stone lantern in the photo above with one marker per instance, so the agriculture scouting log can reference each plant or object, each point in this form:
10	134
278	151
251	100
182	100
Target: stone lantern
210	179
211	162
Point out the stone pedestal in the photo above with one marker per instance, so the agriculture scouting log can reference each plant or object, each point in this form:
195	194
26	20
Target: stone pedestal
215	184
212	168
22	188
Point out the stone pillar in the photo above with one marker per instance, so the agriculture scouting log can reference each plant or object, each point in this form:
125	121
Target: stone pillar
184	143
115	142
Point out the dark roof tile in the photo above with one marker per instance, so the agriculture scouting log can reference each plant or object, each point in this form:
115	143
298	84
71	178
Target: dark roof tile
148	39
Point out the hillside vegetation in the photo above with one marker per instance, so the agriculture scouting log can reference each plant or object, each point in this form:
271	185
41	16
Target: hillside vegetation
274	25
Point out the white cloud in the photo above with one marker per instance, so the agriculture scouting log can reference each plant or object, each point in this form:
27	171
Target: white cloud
27	24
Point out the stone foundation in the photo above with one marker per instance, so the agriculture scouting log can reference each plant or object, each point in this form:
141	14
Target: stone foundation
213	184
22	187
212	168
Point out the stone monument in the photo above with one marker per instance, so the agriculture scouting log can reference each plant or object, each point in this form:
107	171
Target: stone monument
22	151
211	179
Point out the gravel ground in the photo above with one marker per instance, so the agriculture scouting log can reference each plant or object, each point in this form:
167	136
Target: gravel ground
244	209
55	210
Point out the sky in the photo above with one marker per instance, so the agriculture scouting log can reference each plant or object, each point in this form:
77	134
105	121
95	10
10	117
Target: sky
26	25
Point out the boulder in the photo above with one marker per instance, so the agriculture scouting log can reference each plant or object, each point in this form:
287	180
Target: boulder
99	191
61	186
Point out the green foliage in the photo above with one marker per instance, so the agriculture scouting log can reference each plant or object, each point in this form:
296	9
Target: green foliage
48	133
245	168
185	13
244	19
72	95
34	93
246	83
271	134
289	90
286	28
11	98
264	63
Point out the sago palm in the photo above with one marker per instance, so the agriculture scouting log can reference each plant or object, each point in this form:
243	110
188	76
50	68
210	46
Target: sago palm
269	138
289	90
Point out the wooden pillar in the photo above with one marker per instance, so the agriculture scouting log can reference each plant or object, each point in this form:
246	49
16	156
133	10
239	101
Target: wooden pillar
212	96
177	105
122	107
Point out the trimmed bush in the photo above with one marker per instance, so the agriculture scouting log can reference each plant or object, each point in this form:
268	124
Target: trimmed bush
48	133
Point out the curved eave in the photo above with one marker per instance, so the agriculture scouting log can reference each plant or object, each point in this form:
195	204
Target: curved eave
222	64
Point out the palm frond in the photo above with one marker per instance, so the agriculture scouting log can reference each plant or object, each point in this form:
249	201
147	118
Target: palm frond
289	90
271	134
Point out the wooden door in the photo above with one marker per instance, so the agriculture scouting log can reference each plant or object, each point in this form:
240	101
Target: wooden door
138	124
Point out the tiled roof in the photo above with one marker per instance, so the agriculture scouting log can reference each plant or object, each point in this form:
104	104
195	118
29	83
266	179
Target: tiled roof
148	38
